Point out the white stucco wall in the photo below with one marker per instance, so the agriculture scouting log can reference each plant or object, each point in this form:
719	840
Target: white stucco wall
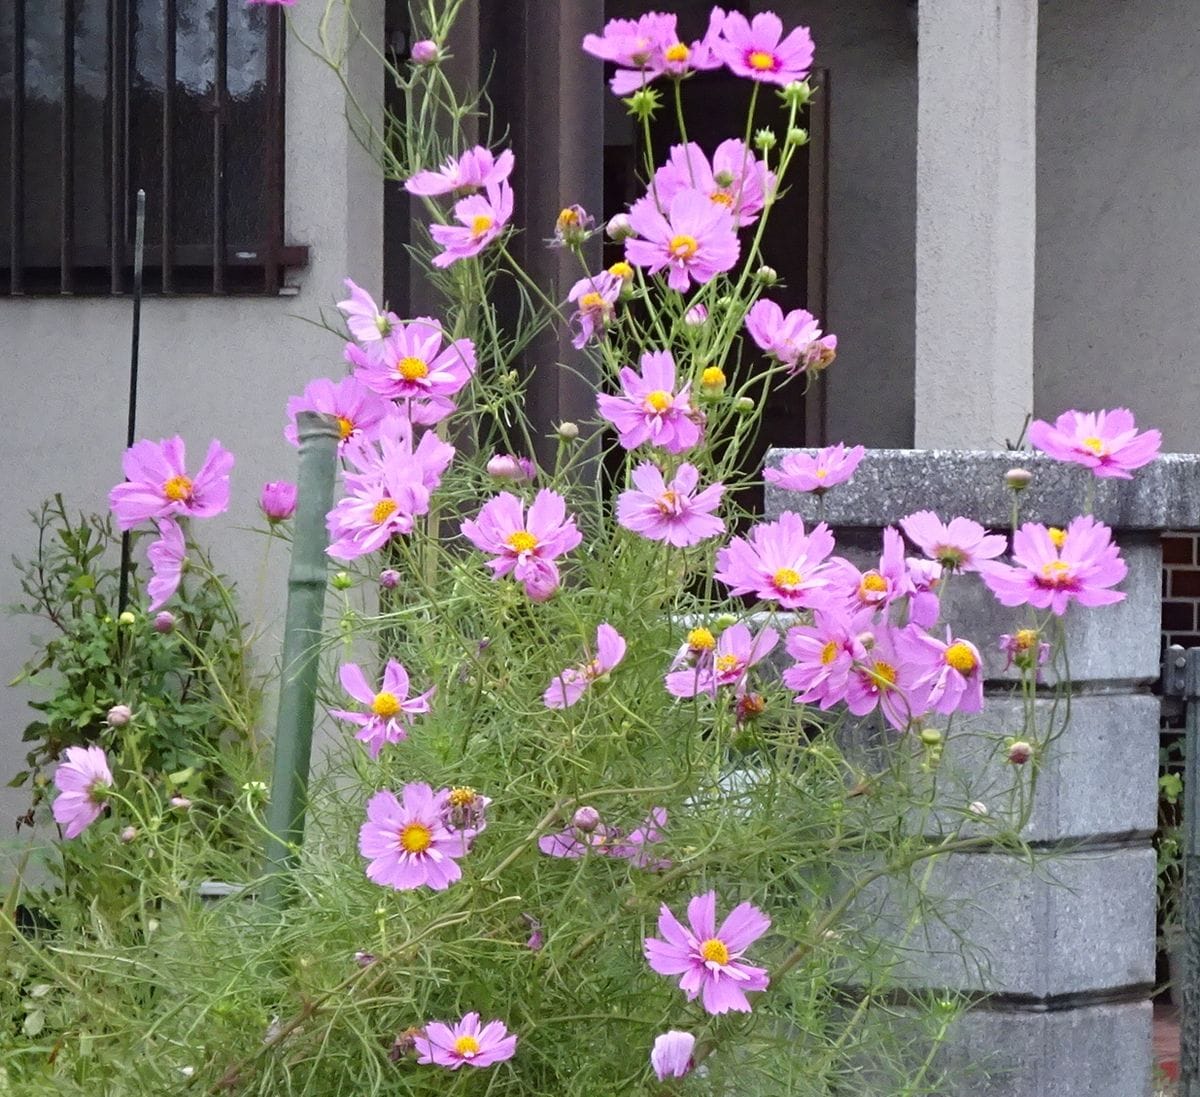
210	367
1118	268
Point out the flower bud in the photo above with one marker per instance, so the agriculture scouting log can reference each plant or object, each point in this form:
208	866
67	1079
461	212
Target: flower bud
695	316
572	227
1019	752
1018	479
931	737
743	405
567	431
278	500
425	52
504	466
765	140
118	716
797	137
180	803
978	807
389	578
364	959
586	819
797	93
126	619
164	622
129	834
766	276
341	581
712	381
726	620
619	227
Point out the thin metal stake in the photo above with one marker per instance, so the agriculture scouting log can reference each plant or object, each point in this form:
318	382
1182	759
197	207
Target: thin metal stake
139	247
1189	1028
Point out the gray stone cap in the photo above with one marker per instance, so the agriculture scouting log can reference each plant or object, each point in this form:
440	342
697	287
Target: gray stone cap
892	483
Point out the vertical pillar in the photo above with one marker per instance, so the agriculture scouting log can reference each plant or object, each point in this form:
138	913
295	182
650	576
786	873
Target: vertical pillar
976	158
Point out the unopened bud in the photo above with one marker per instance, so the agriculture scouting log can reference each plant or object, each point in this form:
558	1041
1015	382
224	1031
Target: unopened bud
129	834
1019	752
619	227
425	52
726	620
118	716
695	316
978	807
164	622
767	276
341	581
1018	479
931	737
765	139
180	803
567	431
126	619
586	819
797	137
389	578
797	93
743	405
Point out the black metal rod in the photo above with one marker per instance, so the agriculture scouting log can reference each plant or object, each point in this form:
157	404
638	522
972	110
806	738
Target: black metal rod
16	146
66	273
168	146
1189	1023
220	97
116	146
273	153
139	247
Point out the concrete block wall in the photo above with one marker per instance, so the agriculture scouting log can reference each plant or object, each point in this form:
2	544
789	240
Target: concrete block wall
1060	947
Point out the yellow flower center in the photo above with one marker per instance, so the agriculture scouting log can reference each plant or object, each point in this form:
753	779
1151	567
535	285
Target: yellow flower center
1095	445
1056	572
713	377
715	951
345	427
1026	638
412	369
621	270
701	639
592	302
683	246
726	663
677	53
521	541
668	502
177	489
461	796
761	61
787	578
386	704
568	218
416	838
961	658
872	583
721	197
481	223
1057	536
383	510
884	675
466	1046
829	652
658	401
820	474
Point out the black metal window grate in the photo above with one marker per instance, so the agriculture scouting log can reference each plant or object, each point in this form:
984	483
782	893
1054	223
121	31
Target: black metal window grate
182	98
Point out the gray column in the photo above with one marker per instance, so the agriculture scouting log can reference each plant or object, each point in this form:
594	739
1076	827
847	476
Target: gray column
976	153
1060	947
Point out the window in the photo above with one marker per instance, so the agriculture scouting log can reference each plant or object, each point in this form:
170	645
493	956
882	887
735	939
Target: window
182	98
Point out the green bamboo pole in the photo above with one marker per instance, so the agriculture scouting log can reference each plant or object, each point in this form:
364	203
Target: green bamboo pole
307	580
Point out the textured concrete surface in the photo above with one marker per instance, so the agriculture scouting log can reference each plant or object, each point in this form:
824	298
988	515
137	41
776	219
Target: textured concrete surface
892	483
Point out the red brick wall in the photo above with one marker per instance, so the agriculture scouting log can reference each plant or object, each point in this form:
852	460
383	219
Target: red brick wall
1181	589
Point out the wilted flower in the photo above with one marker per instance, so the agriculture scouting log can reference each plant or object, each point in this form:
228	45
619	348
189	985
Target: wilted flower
735	652
1107	442
672	1054
83	781
570	685
465	1042
596	297
572	227
407	842
278	500
157	485
1025	648
167	557
795	340
710	959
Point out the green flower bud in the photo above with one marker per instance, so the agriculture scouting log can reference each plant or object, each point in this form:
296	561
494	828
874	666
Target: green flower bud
767	276
797	93
126	618
743	405
765	140
341	581
931	737
567	431
797	137
726	620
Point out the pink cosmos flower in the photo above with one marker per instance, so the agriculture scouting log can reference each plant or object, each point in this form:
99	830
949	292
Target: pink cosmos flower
727	664
878	587
953	677
795	339
156	485
649	47
369	324
779	562
958	546
278	500
887	675
1054	567
638	846
525	548
388	718
571	684
412	366
670	512
408	843
710	959
465	1043
650	410
758	49
923	577
695	237
393	449
82	781
357	410
167	557
735	180
476	169
504	466
1107	442
671	1056
596	297
825	653
480	219
816	472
